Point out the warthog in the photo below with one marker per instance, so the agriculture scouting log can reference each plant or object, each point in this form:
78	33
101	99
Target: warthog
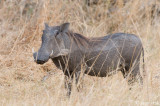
99	56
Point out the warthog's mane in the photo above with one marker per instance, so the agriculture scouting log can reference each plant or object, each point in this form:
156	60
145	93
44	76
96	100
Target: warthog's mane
79	39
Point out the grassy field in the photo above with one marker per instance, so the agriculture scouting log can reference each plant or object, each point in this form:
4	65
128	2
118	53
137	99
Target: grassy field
21	25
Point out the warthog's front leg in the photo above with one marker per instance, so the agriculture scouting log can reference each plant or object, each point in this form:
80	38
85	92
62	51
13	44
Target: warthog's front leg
68	84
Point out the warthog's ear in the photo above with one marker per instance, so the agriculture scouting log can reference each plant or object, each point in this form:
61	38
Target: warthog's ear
64	27
46	25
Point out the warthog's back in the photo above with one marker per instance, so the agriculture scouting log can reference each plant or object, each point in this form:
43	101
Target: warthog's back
117	39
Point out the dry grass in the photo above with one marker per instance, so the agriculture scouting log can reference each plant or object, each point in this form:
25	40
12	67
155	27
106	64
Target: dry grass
21	25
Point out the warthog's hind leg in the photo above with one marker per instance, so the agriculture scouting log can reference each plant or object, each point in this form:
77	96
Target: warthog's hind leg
132	75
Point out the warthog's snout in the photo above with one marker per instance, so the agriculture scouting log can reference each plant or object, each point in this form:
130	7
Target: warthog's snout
37	60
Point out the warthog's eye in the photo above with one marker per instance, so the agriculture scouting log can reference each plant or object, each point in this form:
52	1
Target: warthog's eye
56	32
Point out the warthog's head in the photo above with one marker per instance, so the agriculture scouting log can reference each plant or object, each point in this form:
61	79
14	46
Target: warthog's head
52	43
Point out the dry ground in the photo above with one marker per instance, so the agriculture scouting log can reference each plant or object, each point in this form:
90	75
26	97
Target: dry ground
21	25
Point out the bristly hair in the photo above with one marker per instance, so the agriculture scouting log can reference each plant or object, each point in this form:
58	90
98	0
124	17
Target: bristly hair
79	39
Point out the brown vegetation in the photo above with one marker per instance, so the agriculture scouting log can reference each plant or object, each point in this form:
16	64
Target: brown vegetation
21	25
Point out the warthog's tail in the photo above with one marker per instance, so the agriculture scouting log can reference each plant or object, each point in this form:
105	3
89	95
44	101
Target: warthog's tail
144	71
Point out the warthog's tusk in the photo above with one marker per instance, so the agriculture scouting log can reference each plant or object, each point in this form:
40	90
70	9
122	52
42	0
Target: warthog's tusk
51	54
32	50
